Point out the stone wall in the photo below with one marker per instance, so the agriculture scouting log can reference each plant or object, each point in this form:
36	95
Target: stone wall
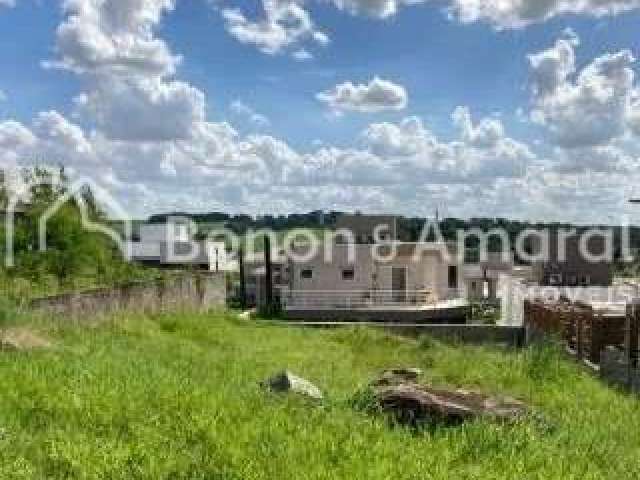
188	291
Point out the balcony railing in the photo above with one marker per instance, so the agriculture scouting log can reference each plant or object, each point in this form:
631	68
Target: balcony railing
358	299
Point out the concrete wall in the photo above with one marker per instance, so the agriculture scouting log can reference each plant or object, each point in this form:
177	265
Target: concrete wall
188	291
327	276
512	293
457	315
164	232
429	272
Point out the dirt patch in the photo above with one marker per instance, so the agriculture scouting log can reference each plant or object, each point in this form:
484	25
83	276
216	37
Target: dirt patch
22	340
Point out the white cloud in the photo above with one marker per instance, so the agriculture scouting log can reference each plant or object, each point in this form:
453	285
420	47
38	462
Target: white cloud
285	24
376	96
15	138
143	109
633	117
374	8
607	159
587	108
55	130
483	151
552	67
488	133
114	37
147	138
409	137
245	169
500	13
241	109
7	3
127	71
520	13
3	96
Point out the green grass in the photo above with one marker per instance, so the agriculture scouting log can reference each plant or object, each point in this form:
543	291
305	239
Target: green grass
177	397
21	287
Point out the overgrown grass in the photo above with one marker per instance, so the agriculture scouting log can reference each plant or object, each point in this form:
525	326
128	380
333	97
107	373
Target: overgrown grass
21	286
177	397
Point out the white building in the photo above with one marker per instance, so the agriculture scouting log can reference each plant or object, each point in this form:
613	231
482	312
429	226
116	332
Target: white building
171	244
482	279
395	275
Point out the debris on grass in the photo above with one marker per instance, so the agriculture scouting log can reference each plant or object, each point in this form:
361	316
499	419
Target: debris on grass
397	393
412	404
286	382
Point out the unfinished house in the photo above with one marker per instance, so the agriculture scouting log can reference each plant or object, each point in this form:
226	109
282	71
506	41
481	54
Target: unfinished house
398	282
482	279
170	245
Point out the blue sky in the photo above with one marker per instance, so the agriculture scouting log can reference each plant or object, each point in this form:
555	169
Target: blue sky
324	153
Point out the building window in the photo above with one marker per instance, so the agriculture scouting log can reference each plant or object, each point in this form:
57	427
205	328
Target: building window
348	274
453	276
306	274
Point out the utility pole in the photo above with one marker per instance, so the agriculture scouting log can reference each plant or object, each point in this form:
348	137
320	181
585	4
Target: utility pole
243	285
268	273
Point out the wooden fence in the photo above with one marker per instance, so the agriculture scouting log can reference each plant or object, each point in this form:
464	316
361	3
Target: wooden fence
585	332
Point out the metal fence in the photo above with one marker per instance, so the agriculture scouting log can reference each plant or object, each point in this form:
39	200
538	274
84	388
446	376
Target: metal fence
359	299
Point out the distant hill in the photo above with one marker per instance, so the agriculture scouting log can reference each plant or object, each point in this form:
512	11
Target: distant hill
409	228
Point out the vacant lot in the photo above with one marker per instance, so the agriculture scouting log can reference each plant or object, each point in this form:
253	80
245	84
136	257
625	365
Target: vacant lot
177	397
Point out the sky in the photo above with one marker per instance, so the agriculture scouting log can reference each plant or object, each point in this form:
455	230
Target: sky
525	109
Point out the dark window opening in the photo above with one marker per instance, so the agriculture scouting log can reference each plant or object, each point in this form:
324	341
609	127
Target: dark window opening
348	274
453	276
306	274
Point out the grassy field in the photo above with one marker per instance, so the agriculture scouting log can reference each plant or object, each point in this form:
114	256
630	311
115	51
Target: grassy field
177	397
22	287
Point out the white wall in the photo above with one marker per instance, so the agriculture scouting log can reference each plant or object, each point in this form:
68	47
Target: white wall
217	251
429	272
142	251
327	276
164	232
